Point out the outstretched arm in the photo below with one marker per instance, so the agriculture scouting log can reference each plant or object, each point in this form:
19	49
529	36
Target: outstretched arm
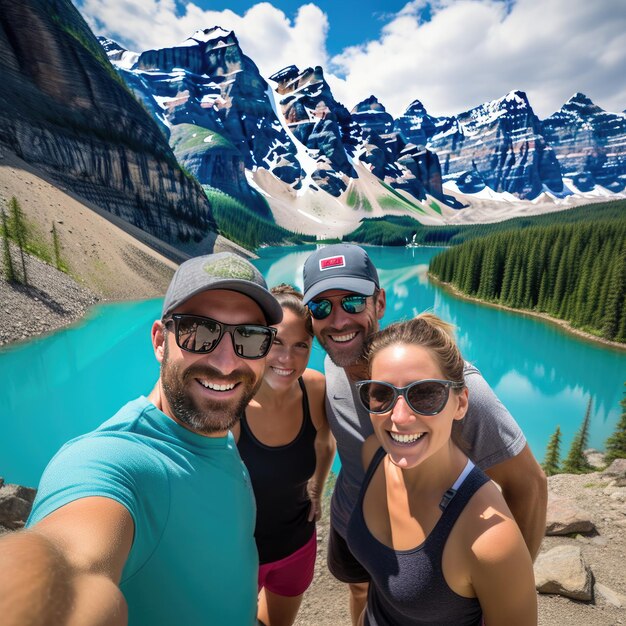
65	570
525	489
324	441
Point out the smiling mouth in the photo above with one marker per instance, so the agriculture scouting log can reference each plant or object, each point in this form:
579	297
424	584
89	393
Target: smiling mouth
406	439
215	387
279	371
343	338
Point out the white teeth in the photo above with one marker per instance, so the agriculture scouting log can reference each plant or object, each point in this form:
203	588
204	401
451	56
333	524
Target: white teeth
342	338
406	438
215	387
282	372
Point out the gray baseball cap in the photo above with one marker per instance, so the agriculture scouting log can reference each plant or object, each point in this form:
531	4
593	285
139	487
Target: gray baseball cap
224	270
340	266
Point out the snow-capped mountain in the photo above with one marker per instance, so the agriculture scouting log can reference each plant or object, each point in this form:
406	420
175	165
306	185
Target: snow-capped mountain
500	143
293	140
213	104
589	143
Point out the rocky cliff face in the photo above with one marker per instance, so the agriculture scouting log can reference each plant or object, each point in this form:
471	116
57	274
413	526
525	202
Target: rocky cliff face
418	127
208	94
499	142
401	160
371	116
504	145
63	108
219	115
589	143
320	123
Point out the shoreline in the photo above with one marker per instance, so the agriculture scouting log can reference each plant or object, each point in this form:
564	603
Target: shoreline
563	324
85	299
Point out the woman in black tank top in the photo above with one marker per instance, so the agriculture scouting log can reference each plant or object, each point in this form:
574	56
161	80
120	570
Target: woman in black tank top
285	442
432	530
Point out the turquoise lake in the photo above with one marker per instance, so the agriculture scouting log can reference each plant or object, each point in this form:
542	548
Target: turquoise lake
62	385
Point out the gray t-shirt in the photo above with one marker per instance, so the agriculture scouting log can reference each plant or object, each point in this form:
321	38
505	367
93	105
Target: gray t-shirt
488	433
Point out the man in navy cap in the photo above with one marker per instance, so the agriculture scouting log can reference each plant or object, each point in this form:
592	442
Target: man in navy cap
343	293
150	518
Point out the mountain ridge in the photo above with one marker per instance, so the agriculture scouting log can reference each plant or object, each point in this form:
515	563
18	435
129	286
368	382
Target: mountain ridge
64	109
496	152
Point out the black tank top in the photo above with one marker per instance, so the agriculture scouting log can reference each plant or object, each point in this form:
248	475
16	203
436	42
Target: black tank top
279	476
408	587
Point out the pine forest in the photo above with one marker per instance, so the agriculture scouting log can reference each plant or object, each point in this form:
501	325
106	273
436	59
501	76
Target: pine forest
575	272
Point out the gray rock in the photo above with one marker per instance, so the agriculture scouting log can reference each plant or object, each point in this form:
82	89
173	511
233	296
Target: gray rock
563	571
617	468
565	517
595	458
15	505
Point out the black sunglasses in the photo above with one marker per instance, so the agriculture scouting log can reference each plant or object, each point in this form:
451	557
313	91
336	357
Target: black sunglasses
426	397
202	335
320	309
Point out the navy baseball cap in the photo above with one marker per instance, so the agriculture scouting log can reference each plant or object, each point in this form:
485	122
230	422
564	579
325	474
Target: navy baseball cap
340	266
224	270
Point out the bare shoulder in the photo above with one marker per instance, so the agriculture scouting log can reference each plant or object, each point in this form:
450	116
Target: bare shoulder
315	382
489	528
496	557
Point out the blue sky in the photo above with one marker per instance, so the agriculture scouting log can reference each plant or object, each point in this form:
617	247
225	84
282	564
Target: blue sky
450	54
348	25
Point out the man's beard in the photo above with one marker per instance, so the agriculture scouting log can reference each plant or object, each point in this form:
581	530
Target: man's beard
212	415
342	357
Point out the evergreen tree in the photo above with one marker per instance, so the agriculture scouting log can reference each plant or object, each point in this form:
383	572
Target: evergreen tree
576	463
551	462
20	232
616	443
575	272
605	270
9	270
616	295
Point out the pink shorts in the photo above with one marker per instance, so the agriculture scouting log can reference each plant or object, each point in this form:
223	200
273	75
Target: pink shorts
292	575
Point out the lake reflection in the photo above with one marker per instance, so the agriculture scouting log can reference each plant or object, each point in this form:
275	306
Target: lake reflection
543	375
60	386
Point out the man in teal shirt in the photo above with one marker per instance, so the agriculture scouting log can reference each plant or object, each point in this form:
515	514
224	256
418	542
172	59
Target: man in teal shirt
149	519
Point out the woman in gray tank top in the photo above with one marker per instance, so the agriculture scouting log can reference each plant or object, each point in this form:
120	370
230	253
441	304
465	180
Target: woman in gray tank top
434	533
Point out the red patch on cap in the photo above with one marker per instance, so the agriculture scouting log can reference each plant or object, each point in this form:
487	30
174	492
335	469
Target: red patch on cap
332	261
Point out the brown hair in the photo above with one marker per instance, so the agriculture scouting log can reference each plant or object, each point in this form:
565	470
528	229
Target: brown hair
428	331
290	298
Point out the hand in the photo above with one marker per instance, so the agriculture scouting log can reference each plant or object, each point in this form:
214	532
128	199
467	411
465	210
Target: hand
315	512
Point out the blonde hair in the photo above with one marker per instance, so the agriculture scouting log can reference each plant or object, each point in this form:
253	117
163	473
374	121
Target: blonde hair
290	298
426	330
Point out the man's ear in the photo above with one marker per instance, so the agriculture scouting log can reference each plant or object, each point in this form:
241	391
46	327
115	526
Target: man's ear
381	304
158	340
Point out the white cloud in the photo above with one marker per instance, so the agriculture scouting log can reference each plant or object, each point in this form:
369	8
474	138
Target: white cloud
265	34
476	50
468	52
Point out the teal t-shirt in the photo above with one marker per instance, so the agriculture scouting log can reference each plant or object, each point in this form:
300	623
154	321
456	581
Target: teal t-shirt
193	560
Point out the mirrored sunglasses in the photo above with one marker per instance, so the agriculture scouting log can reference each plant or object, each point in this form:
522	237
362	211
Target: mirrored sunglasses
321	309
425	397
202	335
